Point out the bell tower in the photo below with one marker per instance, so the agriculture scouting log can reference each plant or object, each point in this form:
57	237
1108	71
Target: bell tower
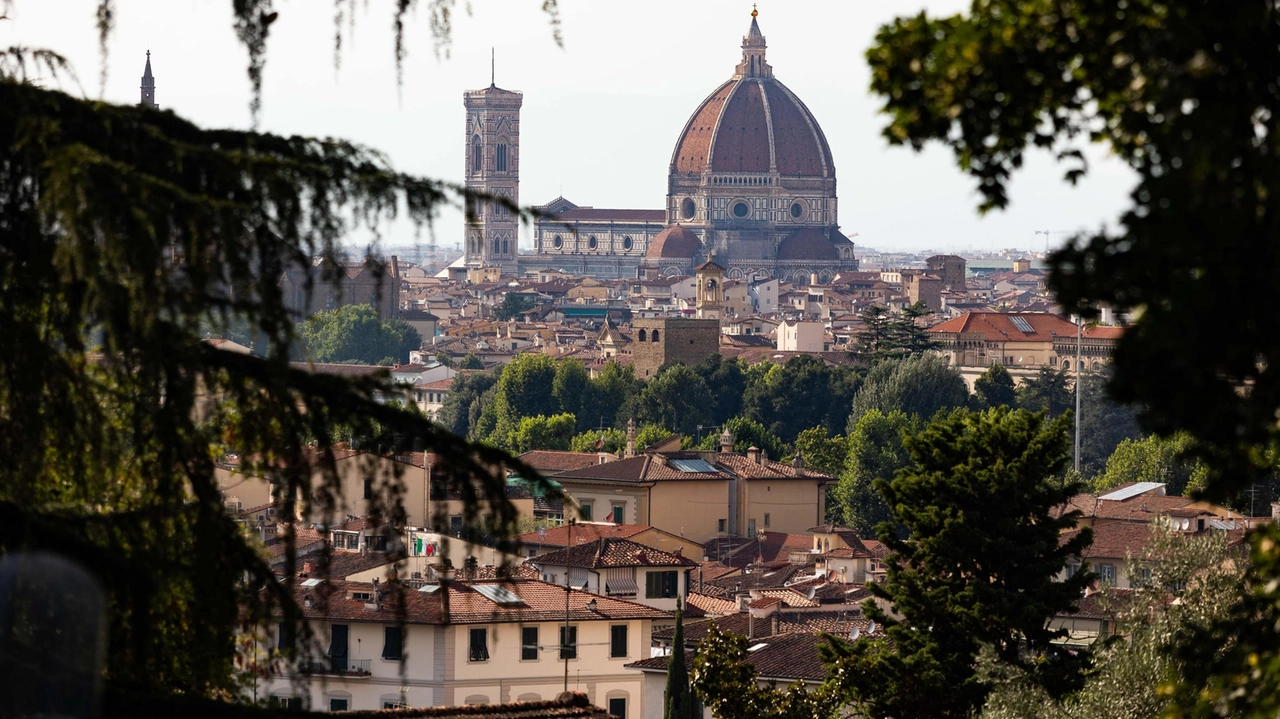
492	169
710	290
148	87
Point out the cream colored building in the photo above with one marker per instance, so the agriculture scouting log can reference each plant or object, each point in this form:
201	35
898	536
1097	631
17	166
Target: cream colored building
800	336
620	568
391	645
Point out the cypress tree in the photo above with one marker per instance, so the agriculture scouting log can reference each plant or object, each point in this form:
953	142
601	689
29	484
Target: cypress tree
680	699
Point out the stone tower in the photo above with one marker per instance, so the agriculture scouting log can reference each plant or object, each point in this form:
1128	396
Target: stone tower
148	87
493	168
710	290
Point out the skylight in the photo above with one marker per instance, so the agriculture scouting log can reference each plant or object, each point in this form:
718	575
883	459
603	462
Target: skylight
1022	324
757	647
1132	490
312	582
497	594
692	465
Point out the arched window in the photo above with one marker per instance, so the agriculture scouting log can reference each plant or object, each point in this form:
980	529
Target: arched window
477	159
495	246
592	243
643	336
502	157
558	242
655	335
505	247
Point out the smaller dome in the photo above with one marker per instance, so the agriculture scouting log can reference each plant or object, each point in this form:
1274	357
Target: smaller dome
809	243
675	241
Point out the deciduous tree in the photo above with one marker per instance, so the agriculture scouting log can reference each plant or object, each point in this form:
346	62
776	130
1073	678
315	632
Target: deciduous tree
918	386
995	387
875	453
356	334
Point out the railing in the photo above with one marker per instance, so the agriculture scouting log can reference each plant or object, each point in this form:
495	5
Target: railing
341	667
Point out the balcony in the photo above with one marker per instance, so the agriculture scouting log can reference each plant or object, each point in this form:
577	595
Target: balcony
351	668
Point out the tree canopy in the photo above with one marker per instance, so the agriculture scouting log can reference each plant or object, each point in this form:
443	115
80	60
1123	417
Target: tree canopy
919	386
355	333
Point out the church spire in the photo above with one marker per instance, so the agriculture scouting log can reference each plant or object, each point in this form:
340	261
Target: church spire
753	49
148	86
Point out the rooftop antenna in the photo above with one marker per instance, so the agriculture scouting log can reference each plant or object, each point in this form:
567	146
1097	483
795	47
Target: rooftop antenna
493	67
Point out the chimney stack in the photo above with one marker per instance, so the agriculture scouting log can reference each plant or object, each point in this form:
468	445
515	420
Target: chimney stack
726	442
753	454
631	437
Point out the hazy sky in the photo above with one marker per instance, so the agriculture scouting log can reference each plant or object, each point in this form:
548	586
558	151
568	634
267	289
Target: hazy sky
601	116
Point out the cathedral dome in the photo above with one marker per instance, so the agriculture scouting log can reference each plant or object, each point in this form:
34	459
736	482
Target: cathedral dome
753	123
674	242
809	243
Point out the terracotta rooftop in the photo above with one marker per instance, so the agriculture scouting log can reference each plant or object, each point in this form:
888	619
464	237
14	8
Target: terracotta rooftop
645	468
612	552
809	243
1115	540
1002	326
464	603
551	462
676	242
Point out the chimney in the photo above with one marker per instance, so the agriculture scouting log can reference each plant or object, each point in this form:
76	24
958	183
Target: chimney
753	454
631	437
797	462
751	624
306	569
726	442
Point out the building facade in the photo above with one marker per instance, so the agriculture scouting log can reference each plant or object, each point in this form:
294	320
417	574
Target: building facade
659	340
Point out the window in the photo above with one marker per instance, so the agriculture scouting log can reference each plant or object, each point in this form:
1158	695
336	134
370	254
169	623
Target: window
797	210
741	210
655	335
585	512
592	243
661	585
619	513
643	336
502	157
1107	573
286	636
529	644
687	208
368	489
290	703
558	242
339	704
392	643
455	525
379	542
618	641
569	647
722	525
1141	577
479	650
751	527
766	519
477	160
618	707
338	647
626	243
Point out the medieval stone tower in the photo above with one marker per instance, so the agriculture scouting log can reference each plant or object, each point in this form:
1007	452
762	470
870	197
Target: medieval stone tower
148	87
493	168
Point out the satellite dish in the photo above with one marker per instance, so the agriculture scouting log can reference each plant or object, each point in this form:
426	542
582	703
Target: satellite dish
871	627
854	634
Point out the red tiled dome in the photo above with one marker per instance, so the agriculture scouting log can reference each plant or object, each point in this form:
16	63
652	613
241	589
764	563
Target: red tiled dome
676	242
809	243
730	132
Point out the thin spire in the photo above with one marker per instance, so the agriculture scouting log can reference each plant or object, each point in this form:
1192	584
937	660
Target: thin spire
753	51
493	67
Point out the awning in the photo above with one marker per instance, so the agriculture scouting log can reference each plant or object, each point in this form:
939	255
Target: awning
620	586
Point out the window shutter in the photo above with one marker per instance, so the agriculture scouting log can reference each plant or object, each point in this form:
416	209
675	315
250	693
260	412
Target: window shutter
393	643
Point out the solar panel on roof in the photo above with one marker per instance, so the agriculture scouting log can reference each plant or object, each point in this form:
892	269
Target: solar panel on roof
497	594
692	465
1132	490
1022	324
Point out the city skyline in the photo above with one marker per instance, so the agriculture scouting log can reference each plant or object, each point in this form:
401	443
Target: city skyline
602	115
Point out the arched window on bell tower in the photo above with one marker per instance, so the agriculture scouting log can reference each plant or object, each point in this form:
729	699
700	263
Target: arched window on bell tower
477	158
501	160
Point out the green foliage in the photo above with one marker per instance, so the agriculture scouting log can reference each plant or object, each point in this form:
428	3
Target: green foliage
676	397
1155	459
800	394
612	386
541	432
979	568
1132	677
1049	391
512	305
727	381
995	388
471	361
874	340
1104	423
747	433
525	389
571	388
127	233
355	333
885	336
597	440
650	434
462	404
919	386
728	685
822	452
681	701
875	454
